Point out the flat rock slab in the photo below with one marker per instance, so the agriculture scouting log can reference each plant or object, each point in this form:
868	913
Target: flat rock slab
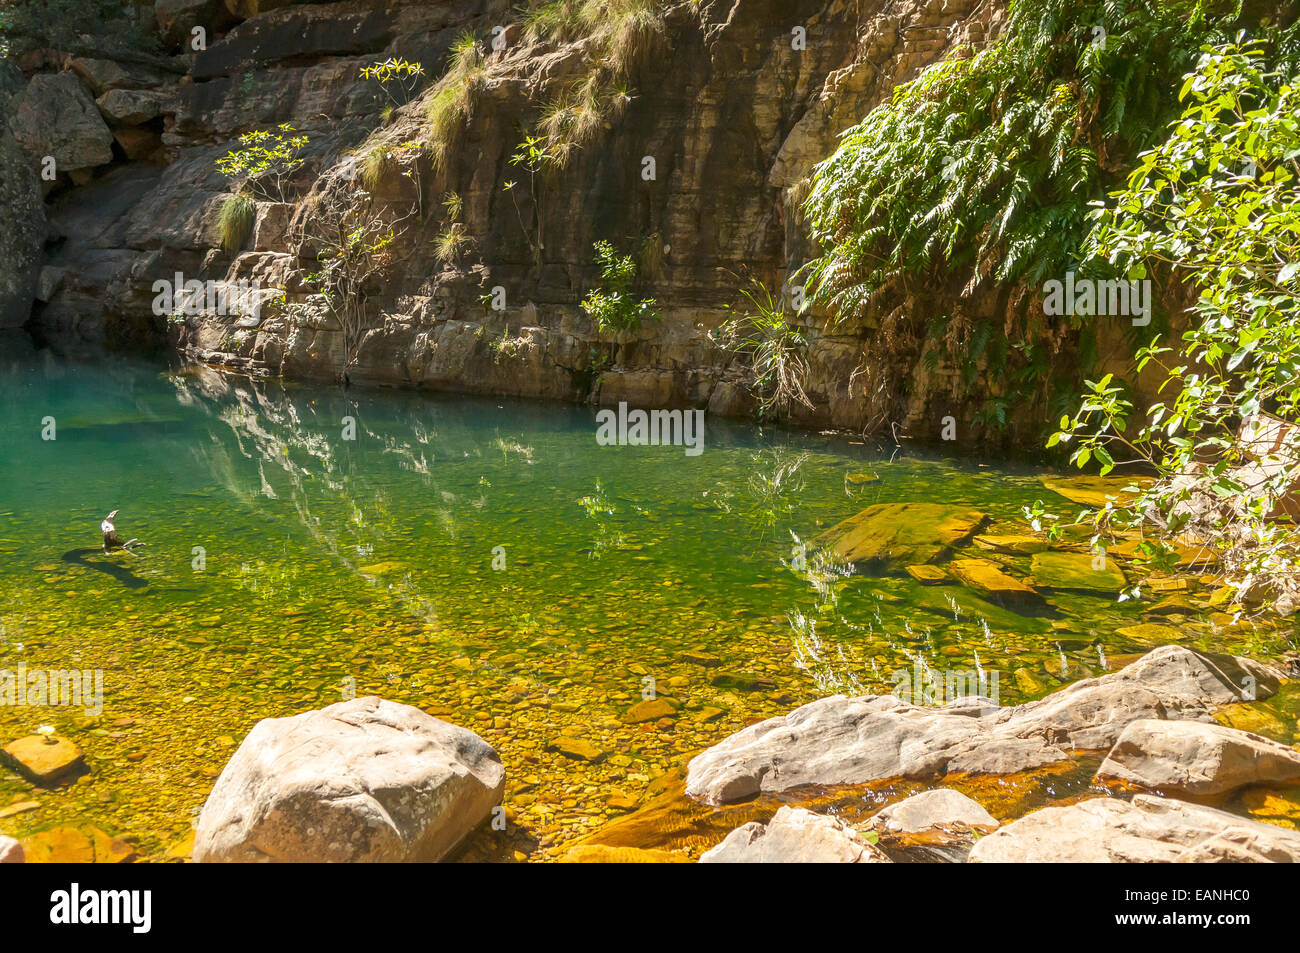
1011	544
41	760
841	740
939	812
577	749
901	534
1092	491
652	709
1190	758
795	836
362	780
927	575
987	578
1076	571
1146	830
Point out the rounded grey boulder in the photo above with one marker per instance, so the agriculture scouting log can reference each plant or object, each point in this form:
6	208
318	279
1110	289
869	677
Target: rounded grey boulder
362	780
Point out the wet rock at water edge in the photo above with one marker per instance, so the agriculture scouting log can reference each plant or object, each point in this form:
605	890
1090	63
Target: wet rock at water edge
841	740
11	852
43	759
795	836
894	535
1200	760
361	780
938	816
1148	829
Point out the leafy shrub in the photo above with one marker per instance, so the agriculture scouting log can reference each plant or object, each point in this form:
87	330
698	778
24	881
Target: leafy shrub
613	307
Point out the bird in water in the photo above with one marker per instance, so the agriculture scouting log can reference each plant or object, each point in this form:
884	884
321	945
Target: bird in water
111	540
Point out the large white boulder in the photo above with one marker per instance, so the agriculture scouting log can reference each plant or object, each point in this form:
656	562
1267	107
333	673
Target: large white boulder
362	780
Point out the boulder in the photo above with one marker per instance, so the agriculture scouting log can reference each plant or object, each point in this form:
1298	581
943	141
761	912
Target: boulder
361	780
1148	829
1199	760
935	814
55	116
11	852
841	740
103	75
131	107
896	535
795	836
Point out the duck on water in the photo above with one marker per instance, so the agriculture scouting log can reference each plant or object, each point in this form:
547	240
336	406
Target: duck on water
112	541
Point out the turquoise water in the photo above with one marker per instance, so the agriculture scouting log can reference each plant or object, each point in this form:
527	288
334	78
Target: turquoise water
486	560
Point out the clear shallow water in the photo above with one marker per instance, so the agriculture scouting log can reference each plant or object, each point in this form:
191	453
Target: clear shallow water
328	566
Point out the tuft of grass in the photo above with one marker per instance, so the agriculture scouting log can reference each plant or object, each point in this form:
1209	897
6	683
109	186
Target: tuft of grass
449	242
452	205
377	166
238	215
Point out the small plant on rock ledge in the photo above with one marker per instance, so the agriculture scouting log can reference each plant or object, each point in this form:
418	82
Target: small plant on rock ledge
613	306
765	335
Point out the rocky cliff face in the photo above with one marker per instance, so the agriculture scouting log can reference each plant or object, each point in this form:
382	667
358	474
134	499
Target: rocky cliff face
733	112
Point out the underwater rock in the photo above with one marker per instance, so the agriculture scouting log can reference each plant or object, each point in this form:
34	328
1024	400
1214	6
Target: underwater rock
1092	491
652	709
1148	829
43	760
603	854
11	852
1011	545
361	780
901	534
1078	571
1199	760
577	749
841	740
988	579
927	575
795	836
1151	633
74	844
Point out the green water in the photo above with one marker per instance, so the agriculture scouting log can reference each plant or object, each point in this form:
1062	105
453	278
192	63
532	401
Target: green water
485	560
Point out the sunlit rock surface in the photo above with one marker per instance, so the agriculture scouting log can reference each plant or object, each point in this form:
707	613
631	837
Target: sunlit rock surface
1147	830
795	836
841	740
363	780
